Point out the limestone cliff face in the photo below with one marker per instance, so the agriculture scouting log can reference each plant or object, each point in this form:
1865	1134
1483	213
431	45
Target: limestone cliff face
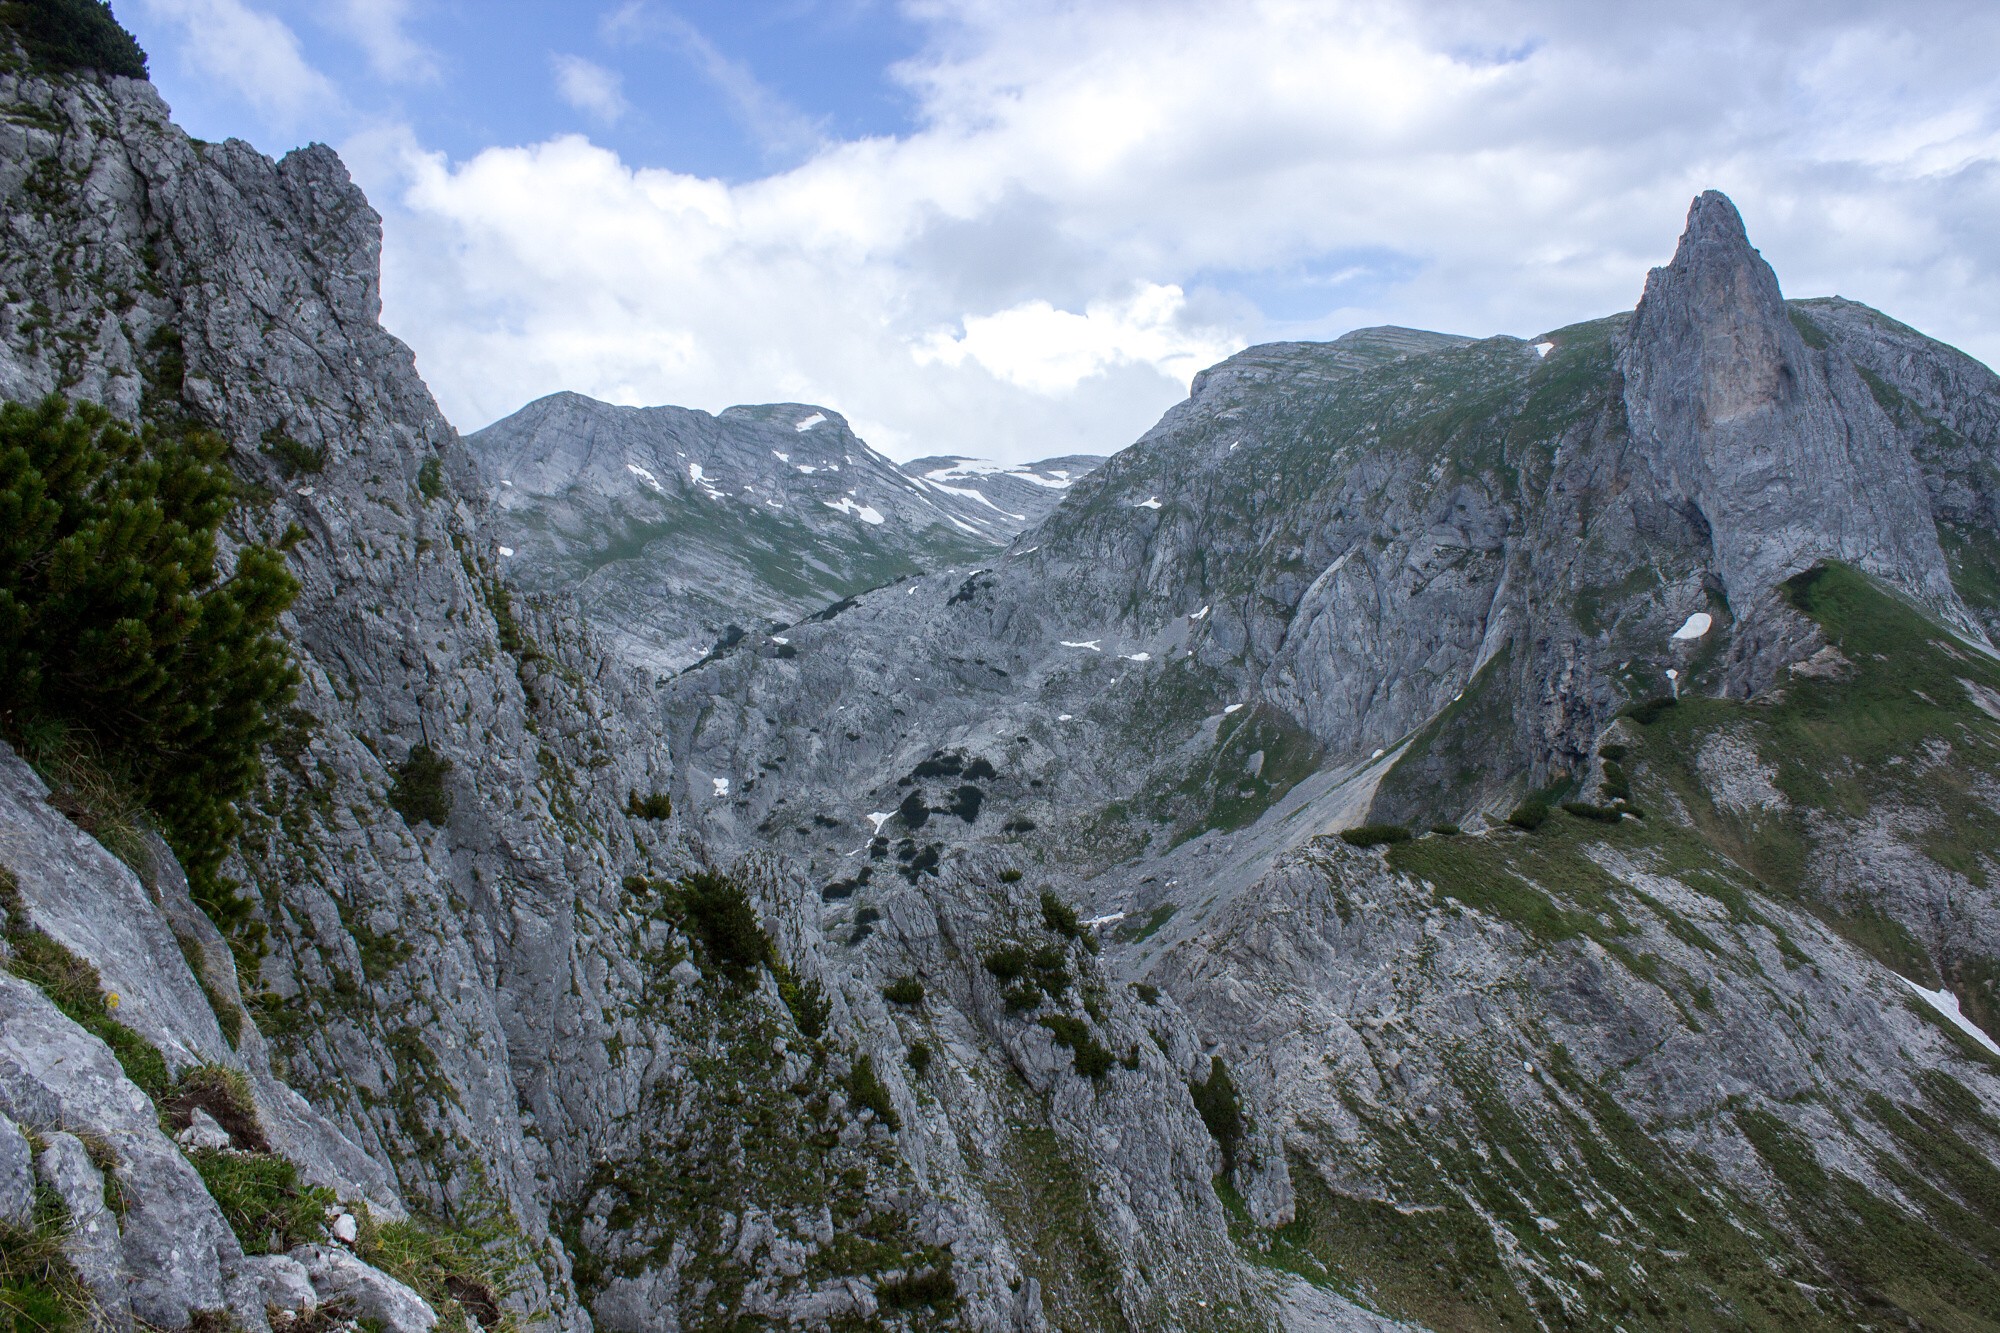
1781	446
493	1016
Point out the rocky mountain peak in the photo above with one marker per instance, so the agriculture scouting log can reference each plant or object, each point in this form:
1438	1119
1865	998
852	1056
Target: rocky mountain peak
1740	410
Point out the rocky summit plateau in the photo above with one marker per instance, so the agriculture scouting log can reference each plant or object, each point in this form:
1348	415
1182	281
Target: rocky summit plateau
1440	833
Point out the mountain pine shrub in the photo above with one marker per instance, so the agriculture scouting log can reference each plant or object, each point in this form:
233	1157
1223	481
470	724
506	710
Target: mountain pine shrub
116	620
419	793
1221	1109
1374	835
64	36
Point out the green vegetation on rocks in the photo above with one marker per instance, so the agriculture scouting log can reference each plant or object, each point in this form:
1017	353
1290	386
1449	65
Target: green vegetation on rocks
116	619
70	36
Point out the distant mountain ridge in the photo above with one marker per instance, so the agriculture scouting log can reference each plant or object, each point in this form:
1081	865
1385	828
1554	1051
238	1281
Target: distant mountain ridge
679	529
1023	494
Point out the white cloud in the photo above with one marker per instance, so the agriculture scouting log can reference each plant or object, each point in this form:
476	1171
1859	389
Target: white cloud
1098	199
252	52
1037	347
590	87
378	26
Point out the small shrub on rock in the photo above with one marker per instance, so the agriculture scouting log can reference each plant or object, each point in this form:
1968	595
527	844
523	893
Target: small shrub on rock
1059	916
655	805
419	793
718	914
866	1089
1221	1109
1007	962
1374	835
1091	1057
919	1057
904	990
1529	815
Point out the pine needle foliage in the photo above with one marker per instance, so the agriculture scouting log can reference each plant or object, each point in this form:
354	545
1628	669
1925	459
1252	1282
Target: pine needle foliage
116	618
65	36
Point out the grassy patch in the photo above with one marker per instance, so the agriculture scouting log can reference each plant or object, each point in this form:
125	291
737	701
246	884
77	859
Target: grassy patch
75	988
267	1206
39	1291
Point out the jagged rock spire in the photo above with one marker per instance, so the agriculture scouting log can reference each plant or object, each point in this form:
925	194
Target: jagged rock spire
1781	446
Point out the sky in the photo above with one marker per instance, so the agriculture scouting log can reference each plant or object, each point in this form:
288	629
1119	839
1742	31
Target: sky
1015	229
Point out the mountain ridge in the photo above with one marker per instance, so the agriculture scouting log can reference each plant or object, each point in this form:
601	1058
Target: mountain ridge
983	950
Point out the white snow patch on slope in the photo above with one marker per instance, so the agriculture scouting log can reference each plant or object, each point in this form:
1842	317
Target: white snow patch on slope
1086	643
970	494
1200	615
1543	349
866	513
806	468
1947	1004
506	550
722	786
880	817
649	478
694	475
811	421
782	458
1232	708
1105	920
1695	626
1137	657
1150	502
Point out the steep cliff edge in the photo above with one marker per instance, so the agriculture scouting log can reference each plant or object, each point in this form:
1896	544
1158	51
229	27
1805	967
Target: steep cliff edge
494	981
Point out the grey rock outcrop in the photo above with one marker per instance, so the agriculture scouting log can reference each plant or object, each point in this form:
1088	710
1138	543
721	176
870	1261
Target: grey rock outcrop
338	1278
1783	449
17	1176
92	1241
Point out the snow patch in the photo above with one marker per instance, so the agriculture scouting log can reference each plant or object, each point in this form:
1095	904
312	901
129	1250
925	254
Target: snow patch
806	468
643	475
1137	657
722	786
866	513
1694	626
810	421
1232	708
1062	717
1200	615
1105	920
779	640
1086	643
880	817
782	458
1947	1004
1150	502
505	482
1543	349
506	550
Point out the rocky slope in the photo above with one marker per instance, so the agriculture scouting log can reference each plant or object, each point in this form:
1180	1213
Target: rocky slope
489	997
1416	580
757	998
678	531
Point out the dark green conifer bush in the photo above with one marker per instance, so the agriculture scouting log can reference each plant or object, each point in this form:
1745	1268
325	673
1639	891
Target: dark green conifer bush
116	619
419	794
64	36
1221	1109
1374	835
